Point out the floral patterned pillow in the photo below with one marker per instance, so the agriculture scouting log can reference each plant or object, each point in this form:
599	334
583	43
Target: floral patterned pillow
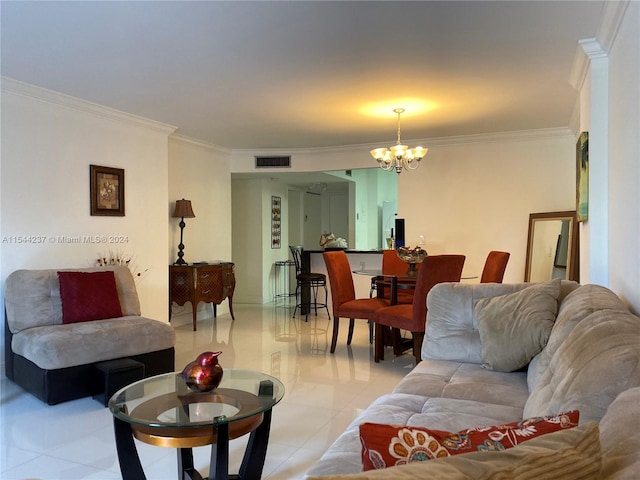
389	445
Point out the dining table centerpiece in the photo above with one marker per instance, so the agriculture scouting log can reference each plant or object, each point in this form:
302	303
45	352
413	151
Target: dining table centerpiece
412	256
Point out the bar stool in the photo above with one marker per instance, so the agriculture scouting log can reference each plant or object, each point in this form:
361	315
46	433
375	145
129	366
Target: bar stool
311	281
281	276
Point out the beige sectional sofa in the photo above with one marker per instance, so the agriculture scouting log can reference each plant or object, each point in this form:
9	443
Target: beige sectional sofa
57	362
590	362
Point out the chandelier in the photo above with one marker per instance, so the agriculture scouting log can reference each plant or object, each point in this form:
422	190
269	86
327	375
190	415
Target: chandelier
399	156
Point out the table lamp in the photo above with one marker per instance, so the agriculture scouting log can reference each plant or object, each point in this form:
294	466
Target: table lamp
183	210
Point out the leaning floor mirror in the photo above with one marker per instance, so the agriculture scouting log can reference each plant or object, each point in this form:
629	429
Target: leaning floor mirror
552	247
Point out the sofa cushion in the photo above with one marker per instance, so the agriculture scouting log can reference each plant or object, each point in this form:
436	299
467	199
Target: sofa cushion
436	394
452	327
599	359
389	445
576	306
88	296
32	297
620	436
466	381
515	327
61	346
572	454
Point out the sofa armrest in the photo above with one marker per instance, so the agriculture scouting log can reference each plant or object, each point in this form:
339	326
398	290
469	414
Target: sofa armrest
452	328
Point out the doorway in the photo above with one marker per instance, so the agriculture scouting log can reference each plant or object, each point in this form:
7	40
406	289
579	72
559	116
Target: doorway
312	220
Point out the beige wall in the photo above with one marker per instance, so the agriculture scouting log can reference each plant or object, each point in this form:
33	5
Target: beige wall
48	142
624	154
248	244
607	74
199	172
251	233
475	197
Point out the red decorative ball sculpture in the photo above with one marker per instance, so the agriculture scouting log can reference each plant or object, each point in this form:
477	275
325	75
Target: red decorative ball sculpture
204	374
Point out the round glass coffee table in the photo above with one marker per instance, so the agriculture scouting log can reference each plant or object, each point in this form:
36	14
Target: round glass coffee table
163	411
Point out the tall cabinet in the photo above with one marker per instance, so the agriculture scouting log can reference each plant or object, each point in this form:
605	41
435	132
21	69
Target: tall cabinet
201	283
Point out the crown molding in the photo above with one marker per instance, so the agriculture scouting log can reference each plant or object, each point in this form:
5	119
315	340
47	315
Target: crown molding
599	46
178	137
16	87
612	16
588	49
515	136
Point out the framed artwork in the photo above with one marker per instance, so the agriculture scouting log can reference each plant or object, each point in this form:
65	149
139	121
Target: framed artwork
582	177
107	191
276	222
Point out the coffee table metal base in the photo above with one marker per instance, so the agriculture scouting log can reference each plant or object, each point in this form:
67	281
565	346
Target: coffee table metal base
218	437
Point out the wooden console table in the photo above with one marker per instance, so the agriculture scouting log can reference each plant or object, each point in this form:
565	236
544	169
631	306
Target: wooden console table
201	283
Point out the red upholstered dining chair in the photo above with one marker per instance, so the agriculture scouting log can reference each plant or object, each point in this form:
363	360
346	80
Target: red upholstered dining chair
412	317
343	295
494	267
392	265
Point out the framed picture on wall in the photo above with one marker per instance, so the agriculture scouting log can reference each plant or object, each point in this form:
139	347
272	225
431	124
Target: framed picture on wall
276	222
582	177
106	190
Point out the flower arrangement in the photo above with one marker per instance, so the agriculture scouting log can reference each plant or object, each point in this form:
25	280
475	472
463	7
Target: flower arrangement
121	258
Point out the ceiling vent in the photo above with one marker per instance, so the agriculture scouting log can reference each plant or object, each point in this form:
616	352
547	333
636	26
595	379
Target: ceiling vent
273	162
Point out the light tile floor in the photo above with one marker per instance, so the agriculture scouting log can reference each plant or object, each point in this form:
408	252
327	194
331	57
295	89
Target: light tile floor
323	394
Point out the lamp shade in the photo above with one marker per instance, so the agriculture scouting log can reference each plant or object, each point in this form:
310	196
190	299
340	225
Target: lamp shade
183	209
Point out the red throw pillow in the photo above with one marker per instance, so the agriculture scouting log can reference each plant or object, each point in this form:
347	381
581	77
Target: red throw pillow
88	296
388	445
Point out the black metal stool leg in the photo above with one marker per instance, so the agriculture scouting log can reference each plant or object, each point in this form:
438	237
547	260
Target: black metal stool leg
326	300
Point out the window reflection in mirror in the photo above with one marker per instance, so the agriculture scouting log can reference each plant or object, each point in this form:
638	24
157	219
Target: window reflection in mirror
552	247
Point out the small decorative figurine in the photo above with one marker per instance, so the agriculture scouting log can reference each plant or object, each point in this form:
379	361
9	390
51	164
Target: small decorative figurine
204	374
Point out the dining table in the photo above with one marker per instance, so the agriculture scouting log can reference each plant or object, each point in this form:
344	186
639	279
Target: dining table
393	283
401	282
380	283
376	272
387	286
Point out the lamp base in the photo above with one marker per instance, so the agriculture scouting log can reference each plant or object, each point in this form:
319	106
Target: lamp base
180	260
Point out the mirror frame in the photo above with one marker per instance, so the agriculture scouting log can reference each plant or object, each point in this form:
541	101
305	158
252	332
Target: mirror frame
573	266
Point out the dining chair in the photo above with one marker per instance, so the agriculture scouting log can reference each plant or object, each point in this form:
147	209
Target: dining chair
343	296
412	317
494	267
312	282
392	265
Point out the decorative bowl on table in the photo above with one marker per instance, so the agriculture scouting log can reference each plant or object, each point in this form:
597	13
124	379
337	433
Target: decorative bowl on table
412	256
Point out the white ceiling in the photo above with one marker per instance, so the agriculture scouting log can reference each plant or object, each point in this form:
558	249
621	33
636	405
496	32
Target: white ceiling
307	73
